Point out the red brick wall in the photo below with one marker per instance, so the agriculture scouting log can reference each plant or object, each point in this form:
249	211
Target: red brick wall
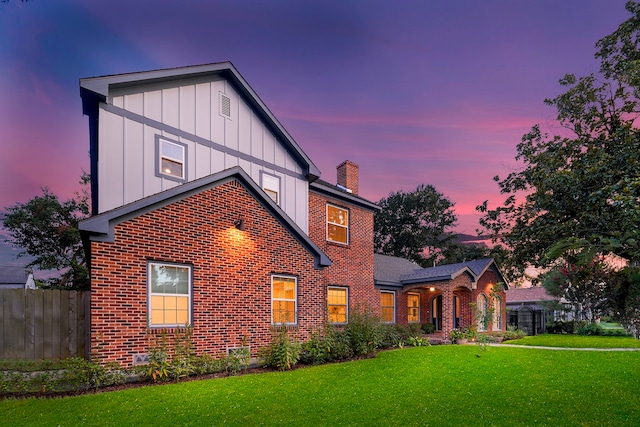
352	263
231	274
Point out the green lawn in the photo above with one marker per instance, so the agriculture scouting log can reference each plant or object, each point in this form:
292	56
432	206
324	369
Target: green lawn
578	341
439	385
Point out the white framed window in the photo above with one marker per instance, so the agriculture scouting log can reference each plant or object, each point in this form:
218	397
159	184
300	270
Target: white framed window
497	313
387	306
284	300
171	159
169	294
482	307
337	304
337	224
413	308
271	186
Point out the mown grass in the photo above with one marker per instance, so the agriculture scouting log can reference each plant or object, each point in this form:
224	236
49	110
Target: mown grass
440	385
578	341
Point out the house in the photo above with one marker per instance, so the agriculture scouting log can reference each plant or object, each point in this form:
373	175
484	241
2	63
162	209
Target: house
452	296
530	308
16	277
207	213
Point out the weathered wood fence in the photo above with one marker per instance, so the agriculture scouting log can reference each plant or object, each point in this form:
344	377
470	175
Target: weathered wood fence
44	324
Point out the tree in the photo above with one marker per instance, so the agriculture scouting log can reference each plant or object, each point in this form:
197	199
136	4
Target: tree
414	225
584	285
584	187
47	230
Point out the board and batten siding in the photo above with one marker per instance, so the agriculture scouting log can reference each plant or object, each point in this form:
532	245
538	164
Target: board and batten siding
134	118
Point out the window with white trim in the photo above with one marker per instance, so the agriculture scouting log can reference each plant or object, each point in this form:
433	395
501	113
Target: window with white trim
337	224
169	294
387	307
497	313
171	159
482	307
284	300
337	304
271	186
413	308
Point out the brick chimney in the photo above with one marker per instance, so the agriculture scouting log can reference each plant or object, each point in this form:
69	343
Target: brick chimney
348	176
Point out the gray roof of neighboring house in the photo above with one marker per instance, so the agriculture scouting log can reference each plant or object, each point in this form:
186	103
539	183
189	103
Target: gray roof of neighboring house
528	295
101	227
397	271
13	275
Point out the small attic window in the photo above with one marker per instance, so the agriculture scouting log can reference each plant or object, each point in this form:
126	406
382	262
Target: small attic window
225	106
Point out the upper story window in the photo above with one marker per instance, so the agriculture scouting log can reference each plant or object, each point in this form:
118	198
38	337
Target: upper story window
271	186
337	298
169	294
284	300
337	224
172	156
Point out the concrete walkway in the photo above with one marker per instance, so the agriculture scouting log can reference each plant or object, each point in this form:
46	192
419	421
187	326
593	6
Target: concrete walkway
562	348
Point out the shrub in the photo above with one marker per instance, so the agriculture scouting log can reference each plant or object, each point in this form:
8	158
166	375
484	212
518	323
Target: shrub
326	345
590	329
428	328
363	332
282	353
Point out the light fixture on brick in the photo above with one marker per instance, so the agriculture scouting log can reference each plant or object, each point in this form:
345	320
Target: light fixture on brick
239	224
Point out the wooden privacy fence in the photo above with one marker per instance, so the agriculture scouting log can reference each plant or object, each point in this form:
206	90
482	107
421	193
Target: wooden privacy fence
44	324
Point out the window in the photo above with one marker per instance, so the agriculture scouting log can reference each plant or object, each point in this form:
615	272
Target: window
172	159
482	308
497	313
337	224
337	305
413	306
271	186
388	306
283	300
456	312
169	294
436	312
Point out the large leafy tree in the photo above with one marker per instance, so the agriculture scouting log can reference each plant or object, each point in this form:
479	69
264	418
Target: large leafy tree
47	230
581	187
414	225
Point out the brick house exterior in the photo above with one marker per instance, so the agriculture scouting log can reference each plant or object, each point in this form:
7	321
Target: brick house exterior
207	214
449	296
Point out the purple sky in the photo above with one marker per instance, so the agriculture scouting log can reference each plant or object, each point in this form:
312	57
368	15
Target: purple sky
436	92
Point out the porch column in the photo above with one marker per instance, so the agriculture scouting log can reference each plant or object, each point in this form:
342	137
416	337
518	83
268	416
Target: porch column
447	311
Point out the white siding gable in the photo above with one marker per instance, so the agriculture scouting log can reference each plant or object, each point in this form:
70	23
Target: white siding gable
134	120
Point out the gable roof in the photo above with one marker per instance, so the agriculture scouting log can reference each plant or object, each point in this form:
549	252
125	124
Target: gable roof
397	271
331	190
101	227
528	295
96	90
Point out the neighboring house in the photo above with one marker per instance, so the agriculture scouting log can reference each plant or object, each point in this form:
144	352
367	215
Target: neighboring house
452	296
207	213
15	277
530	308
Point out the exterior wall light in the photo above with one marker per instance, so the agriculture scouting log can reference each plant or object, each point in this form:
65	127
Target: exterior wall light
432	289
239	224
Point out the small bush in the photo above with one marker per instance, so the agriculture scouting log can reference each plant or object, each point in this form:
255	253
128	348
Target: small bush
363	332
428	328
282	353
326	345
590	329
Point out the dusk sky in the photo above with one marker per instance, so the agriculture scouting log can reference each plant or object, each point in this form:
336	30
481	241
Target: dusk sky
432	91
